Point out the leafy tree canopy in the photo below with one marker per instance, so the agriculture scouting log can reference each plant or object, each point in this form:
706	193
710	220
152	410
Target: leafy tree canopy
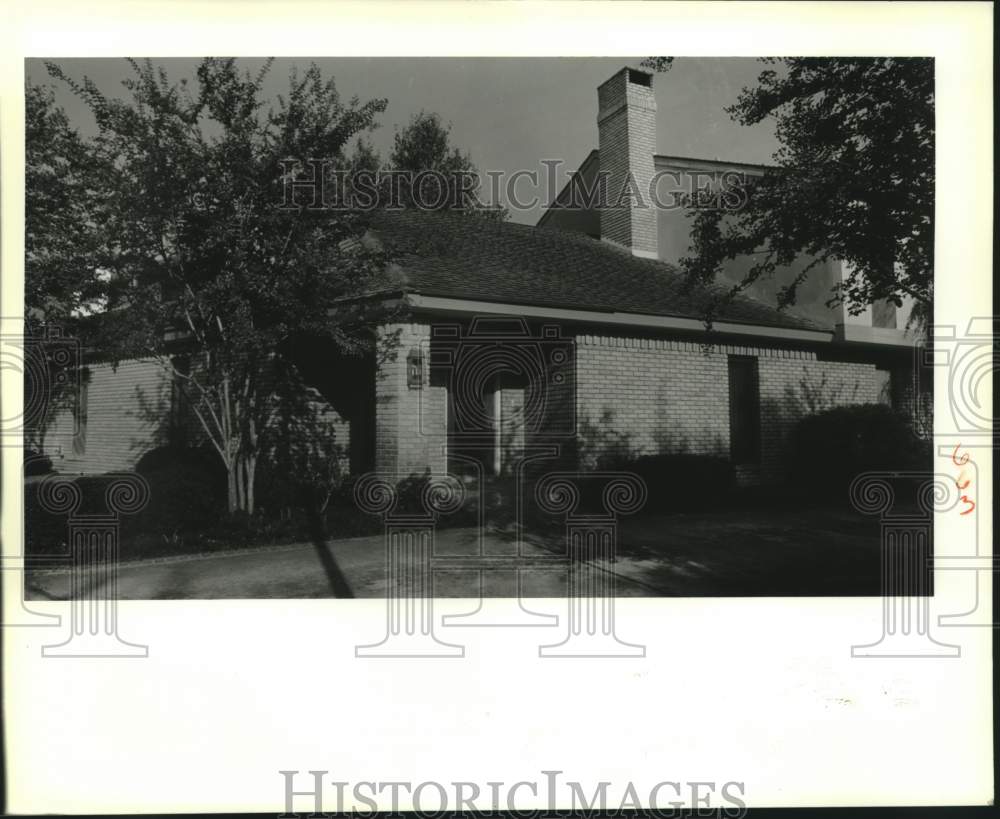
659	64
61	214
854	180
194	250
425	145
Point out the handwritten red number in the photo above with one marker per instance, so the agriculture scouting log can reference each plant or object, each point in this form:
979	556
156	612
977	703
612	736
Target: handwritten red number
955	459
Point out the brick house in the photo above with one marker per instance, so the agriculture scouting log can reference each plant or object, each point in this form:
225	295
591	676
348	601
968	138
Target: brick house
571	340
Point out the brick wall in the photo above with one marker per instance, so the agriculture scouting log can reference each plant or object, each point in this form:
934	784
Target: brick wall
638	396
630	396
550	413
410	424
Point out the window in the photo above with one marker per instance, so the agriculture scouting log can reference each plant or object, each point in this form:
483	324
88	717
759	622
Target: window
744	410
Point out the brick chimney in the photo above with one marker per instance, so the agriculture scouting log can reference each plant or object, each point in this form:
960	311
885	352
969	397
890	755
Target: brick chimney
626	123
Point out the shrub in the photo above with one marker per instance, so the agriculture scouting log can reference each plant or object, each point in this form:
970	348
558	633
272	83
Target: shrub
343	518
410	492
826	451
36	463
46	532
675	482
302	465
187	489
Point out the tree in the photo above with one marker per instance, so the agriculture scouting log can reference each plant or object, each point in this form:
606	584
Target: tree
658	64
203	263
424	145
61	213
304	457
854	181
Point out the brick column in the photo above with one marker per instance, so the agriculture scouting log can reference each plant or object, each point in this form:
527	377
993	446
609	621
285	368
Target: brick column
410	421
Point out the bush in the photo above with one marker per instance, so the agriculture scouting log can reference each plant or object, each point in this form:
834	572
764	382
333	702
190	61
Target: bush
343	518
46	532
187	489
36	463
410	492
674	483
828	450
308	478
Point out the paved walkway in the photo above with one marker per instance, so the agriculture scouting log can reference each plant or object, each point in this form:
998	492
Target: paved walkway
724	553
343	568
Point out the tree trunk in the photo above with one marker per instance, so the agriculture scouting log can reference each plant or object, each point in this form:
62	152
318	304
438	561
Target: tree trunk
251	471
231	482
240	479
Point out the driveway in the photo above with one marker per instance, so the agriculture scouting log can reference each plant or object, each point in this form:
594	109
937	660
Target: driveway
727	553
773	552
343	568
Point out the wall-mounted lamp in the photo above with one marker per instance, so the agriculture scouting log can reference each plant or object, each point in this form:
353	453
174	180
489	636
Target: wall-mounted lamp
415	369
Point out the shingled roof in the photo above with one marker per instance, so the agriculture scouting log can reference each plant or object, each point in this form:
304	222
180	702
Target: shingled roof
456	256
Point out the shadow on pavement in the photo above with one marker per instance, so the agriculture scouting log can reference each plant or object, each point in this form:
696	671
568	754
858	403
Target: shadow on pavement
338	582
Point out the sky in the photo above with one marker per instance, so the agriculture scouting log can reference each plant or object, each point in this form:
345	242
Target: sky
507	113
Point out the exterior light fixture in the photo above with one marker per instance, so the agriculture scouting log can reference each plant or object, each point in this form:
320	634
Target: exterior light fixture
415	369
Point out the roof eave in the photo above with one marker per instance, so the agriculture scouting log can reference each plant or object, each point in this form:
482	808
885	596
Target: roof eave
865	335
449	305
